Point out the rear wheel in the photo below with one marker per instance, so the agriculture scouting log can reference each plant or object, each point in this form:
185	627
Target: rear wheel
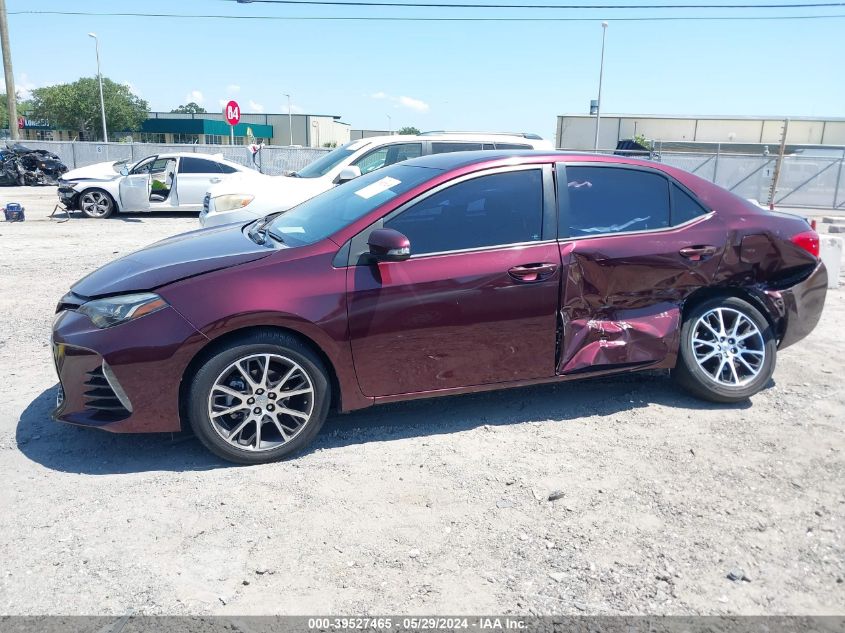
727	351
96	203
259	399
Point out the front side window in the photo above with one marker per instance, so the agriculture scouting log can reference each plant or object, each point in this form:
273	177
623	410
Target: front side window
190	165
492	210
326	163
444	148
614	200
388	155
143	166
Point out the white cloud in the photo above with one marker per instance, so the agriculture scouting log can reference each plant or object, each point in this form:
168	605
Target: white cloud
414	104
233	89
196	96
255	107
411	103
23	86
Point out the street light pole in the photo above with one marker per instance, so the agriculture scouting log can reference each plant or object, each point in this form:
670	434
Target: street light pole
100	77
601	72
290	123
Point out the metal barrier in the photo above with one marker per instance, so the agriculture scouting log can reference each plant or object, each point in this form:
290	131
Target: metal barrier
270	160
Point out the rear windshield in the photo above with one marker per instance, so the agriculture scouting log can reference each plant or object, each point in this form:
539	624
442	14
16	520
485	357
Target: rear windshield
323	215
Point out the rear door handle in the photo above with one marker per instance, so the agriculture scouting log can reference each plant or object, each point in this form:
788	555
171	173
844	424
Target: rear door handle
533	272
215	180
698	253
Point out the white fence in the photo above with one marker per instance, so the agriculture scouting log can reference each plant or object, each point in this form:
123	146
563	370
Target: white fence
270	160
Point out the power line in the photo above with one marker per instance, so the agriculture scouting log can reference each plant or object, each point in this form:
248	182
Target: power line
409	19
452	5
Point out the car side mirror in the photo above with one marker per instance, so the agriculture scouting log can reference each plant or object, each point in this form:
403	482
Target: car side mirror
124	171
387	245
348	173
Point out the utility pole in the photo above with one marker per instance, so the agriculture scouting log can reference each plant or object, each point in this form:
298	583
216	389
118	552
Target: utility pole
100	79
11	95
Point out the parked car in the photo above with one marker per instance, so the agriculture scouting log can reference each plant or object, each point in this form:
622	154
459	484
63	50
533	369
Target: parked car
253	196
162	182
442	275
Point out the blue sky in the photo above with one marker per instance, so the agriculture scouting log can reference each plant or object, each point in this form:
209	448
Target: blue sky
458	75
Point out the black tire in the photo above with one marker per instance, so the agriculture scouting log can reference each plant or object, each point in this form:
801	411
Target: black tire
100	205
277	343
691	376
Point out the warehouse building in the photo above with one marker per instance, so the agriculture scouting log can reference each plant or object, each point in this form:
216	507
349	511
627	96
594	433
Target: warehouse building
210	128
577	131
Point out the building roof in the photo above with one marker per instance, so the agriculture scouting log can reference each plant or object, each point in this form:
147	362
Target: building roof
715	117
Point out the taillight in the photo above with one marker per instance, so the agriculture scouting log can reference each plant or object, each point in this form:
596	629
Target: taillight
808	240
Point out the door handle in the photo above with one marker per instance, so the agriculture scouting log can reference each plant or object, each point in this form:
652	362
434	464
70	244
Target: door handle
215	180
533	272
698	253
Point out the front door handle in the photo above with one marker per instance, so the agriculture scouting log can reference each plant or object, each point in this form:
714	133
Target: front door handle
533	272
698	253
215	180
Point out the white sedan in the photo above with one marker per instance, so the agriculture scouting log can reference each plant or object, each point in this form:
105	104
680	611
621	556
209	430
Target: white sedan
162	182
246	197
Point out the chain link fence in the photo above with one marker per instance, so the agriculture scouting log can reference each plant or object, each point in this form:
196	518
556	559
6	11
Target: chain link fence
270	160
807	181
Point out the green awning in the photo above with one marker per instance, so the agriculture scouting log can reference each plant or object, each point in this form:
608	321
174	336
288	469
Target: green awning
203	126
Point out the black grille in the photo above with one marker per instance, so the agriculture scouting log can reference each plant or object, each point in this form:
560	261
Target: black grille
101	397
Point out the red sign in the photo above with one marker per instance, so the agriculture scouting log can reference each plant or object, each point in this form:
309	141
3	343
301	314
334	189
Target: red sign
232	112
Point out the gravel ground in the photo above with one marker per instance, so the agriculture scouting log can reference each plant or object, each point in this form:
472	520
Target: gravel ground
663	504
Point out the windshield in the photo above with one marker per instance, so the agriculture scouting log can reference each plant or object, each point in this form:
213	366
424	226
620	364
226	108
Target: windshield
329	212
325	164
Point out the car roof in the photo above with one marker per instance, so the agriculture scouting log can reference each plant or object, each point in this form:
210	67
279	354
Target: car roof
455	136
454	160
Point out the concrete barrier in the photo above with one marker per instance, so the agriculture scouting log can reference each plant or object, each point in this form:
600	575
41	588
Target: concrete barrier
831	255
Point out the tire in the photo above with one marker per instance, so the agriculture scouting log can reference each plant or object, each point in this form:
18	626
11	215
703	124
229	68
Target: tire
228	368
729	368
96	204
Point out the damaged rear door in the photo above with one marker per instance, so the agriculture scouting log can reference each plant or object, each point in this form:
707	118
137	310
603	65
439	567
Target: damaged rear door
635	244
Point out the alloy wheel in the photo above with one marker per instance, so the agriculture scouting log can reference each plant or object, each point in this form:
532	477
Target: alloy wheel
95	203
261	402
728	347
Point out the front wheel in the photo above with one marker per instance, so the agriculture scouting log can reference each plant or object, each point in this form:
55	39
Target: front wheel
727	351
259	399
96	204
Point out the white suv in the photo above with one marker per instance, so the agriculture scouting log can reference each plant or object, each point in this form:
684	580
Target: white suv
245	197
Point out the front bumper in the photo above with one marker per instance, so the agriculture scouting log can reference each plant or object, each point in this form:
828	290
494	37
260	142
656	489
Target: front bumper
125	378
68	196
799	307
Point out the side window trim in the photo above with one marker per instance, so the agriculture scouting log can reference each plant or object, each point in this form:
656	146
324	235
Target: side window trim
358	249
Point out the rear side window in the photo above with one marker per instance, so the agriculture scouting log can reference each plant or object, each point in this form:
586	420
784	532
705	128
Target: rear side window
493	210
226	169
198	166
445	148
512	146
684	206
614	200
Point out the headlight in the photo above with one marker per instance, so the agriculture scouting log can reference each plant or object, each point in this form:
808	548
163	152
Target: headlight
113	310
233	201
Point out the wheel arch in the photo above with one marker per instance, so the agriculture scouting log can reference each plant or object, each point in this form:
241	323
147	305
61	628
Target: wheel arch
215	344
111	196
750	296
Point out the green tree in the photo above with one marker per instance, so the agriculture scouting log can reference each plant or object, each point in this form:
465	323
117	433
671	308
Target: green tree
408	129
76	106
190	108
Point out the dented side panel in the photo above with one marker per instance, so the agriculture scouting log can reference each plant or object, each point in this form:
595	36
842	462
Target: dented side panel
623	295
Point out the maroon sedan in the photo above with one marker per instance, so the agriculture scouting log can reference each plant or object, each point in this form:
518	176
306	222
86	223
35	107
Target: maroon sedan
448	274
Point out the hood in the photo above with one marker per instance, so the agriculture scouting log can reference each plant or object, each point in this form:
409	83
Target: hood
271	192
175	258
98	171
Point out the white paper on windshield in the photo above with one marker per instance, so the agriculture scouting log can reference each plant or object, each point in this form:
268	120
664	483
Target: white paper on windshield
377	187
292	229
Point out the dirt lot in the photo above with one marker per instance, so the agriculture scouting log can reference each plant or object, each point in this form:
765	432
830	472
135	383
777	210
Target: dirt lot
434	506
